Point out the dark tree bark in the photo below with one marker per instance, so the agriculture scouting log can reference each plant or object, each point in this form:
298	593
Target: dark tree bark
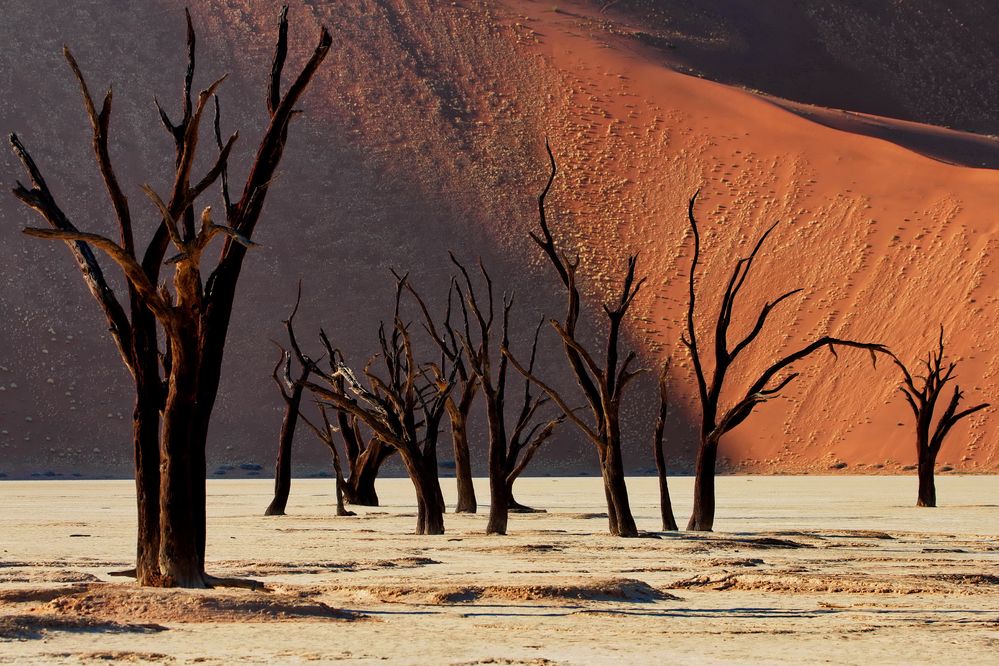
922	399
665	504
364	460
602	386
403	407
458	415
146	447
360	484
291	393
457	408
490	374
175	392
715	421
282	467
326	435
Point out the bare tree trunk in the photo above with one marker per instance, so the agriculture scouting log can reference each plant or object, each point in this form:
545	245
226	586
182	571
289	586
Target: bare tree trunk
462	461
146	440
360	487
429	506
364	462
714	422
434	479
338	470
621	521
927	487
612	525
180	561
601	386
341	510
499	493
702	518
665	504
282	468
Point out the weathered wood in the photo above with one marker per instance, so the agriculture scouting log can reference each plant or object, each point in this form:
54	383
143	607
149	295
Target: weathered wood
505	446
665	503
458	407
922	394
403	406
176	391
291	393
715	421
602	386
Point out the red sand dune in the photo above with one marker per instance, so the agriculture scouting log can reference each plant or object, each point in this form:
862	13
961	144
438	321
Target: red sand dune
425	132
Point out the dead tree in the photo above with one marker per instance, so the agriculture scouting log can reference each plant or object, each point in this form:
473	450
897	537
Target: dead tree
509	450
364	455
291	393
364	461
403	407
459	404
528	433
182	383
665	504
716	421
326	435
602	386
922	400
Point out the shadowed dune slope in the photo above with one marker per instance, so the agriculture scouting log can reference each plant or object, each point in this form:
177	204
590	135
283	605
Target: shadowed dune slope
424	132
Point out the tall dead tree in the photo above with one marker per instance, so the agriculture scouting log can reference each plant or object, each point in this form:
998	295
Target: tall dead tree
922	394
181	384
715	420
403	406
602	385
459	403
665	503
510	450
291	393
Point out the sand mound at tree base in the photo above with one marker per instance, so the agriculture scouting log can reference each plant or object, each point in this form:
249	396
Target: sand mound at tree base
112	602
103	606
616	589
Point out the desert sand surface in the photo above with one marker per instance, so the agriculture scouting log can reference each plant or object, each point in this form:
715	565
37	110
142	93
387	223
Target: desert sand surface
838	570
424	132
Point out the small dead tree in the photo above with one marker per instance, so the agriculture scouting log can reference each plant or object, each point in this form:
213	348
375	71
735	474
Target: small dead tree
510	450
715	420
922	394
460	402
528	432
175	391
665	504
364	460
403	407
602	385
291	392
326	435
365	455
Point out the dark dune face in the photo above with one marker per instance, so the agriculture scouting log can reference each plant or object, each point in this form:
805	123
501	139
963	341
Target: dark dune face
931	61
422	133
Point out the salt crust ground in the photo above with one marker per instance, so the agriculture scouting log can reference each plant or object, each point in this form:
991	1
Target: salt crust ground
802	569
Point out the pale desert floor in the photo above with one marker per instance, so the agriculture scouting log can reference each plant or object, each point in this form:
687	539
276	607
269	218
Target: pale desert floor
801	569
